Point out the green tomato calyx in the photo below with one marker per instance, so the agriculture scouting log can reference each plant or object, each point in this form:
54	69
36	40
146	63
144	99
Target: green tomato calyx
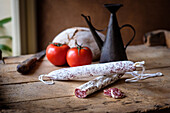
57	44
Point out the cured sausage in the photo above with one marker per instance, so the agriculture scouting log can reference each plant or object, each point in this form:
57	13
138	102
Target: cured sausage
95	84
119	67
78	72
107	72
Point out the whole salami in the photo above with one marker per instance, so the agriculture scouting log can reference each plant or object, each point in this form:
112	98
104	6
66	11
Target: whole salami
95	84
78	72
120	67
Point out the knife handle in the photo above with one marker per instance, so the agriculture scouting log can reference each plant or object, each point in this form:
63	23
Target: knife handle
26	65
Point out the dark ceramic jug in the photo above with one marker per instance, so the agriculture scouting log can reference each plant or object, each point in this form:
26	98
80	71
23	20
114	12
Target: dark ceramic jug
112	49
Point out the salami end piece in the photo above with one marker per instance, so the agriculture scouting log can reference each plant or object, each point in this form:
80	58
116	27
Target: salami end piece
114	92
79	93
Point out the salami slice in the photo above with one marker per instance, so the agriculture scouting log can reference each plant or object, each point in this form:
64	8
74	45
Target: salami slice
78	72
95	84
114	93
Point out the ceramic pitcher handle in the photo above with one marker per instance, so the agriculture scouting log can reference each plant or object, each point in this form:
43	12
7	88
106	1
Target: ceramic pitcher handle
128	25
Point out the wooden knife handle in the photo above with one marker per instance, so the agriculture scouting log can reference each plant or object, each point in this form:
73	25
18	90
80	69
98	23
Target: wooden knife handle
26	65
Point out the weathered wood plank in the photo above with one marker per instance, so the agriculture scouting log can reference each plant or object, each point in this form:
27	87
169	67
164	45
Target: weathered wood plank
11	64
97	105
145	95
35	91
155	57
24	93
18	59
11	76
134	53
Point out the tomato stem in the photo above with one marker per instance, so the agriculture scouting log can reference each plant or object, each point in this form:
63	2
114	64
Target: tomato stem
79	47
57	44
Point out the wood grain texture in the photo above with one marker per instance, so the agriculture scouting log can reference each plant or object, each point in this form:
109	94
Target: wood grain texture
25	94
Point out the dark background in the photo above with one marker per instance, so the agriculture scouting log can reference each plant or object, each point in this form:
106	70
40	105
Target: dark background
53	16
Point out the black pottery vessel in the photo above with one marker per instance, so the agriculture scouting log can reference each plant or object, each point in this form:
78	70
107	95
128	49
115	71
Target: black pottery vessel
112	49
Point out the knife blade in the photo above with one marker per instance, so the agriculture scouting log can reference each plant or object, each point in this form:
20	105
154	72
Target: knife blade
29	63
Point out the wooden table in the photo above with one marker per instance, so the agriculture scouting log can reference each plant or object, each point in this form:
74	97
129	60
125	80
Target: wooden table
26	93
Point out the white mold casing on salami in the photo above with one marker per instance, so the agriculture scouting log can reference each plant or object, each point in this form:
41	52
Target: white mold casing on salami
78	72
95	84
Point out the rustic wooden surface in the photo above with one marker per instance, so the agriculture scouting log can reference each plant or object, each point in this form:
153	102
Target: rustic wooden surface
25	93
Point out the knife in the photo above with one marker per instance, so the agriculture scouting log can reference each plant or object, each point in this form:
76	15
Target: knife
29	63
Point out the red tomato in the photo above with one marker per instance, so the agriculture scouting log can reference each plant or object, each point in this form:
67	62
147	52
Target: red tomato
79	56
56	53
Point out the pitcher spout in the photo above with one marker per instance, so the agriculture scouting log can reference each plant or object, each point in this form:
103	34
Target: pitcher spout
93	31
